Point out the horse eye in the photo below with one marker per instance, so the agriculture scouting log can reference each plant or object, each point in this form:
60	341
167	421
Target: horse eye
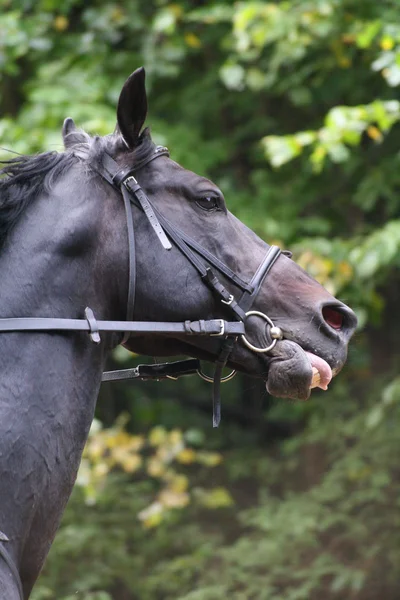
208	203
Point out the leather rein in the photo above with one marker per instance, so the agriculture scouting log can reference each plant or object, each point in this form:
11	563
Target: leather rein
229	331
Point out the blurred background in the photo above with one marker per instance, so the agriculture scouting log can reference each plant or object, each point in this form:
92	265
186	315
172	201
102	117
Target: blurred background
292	108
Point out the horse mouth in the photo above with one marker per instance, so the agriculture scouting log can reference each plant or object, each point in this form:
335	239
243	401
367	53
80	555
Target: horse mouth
293	372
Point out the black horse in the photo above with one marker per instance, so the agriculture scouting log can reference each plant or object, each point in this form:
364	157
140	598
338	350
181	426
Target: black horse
64	247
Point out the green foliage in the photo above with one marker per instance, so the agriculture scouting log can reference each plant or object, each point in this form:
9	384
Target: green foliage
344	126
323	520
325	537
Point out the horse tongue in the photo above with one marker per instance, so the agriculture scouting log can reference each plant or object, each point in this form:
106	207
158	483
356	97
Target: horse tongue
324	370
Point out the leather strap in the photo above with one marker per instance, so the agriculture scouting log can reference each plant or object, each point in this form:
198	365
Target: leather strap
132	185
213	327
186	244
210	258
247	300
93	325
131	258
116	174
172	370
220	363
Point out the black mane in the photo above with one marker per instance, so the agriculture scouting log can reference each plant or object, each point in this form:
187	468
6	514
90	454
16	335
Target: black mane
24	178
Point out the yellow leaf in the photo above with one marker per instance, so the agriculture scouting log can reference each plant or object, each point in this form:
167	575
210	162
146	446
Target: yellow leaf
186	456
210	459
155	468
359	474
94	449
100	470
117	15
345	269
157	436
172	499
61	23
175	437
152	515
309	17
176	9
217	498
135	442
387	43
117	438
178	483
344	62
192	40
348	38
374	133
131	463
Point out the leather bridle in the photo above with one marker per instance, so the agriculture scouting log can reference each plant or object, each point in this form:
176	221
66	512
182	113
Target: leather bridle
124	181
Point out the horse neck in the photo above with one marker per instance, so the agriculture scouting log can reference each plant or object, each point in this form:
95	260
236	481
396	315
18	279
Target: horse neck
48	382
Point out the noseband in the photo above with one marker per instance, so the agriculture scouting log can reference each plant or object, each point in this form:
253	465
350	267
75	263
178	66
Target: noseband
124	181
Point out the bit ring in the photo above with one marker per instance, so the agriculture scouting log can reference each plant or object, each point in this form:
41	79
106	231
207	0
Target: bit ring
276	333
211	379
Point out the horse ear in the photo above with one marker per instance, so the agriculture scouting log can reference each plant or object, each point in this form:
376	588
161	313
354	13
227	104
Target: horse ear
71	134
132	107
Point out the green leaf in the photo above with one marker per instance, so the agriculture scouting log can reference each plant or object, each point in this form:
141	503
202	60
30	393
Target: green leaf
369	32
280	150
233	76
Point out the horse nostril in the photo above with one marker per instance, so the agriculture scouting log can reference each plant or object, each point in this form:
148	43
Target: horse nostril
333	317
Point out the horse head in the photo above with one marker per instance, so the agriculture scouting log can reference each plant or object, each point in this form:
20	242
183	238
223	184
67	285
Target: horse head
313	327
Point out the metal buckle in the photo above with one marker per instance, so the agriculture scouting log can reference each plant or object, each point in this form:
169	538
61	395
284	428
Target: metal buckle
130	178
222	330
229	301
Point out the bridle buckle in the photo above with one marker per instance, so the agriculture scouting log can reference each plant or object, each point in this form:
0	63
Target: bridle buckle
128	179
229	301
222	329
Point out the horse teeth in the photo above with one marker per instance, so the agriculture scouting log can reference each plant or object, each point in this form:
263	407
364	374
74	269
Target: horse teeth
316	378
